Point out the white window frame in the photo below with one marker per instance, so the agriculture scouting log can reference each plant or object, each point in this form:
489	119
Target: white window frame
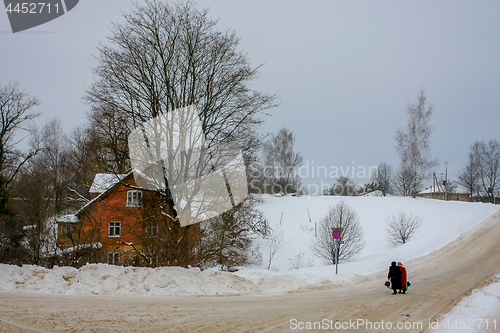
114	228
114	258
134	201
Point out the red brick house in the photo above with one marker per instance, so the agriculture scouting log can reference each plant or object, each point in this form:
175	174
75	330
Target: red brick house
121	225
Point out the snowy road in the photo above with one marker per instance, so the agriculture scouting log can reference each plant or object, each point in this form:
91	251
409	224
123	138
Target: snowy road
441	280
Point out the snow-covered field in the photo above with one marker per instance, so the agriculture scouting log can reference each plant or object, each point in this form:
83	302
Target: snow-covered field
442	222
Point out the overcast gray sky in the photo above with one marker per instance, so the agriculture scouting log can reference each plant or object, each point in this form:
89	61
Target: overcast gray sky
344	70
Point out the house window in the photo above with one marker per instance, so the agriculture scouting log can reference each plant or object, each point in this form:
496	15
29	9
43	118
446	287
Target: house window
432	195
114	258
152	230
458	197
114	229
134	198
66	229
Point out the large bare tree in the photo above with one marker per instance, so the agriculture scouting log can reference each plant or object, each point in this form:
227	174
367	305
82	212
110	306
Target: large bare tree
413	146
165	57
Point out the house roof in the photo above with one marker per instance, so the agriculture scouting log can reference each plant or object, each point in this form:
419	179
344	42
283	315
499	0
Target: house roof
103	181
437	190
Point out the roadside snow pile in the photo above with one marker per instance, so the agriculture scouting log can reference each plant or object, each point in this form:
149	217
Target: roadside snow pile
101	279
483	303
292	268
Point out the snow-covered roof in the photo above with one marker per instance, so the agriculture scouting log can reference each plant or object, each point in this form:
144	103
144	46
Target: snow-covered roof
437	190
69	218
113	181
104	181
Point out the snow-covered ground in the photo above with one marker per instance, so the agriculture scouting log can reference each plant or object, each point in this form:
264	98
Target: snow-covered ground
442	222
478	312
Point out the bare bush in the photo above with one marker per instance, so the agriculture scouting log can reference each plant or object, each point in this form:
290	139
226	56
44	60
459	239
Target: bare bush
343	217
299	261
276	243
401	227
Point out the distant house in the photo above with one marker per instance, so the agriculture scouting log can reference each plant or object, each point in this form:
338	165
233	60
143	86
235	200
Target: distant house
117	225
438	194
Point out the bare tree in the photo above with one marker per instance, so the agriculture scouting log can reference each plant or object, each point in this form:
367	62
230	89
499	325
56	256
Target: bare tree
281	162
343	217
470	174
276	244
107	133
383	178
487	157
164	57
54	155
404	183
15	115
41	191
401	227
413	146
82	164
15	112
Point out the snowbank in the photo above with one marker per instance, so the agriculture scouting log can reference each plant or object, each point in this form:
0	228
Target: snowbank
102	279
478	312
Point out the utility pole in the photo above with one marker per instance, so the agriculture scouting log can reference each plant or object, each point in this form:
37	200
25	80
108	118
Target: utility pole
446	183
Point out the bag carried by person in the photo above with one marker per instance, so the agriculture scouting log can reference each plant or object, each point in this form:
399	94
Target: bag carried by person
388	284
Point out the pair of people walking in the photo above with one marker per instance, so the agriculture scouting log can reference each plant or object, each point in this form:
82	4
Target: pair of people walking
397	275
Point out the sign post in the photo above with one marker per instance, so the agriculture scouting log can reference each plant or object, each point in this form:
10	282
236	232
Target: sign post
336	234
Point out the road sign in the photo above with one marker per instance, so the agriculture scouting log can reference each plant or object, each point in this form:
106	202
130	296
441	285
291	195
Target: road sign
336	234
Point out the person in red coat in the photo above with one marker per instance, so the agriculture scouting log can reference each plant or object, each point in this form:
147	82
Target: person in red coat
403	278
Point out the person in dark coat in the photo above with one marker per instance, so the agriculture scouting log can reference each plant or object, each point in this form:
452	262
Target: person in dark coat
403	278
395	277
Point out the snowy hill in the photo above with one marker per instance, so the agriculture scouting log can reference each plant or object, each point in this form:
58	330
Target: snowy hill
442	222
